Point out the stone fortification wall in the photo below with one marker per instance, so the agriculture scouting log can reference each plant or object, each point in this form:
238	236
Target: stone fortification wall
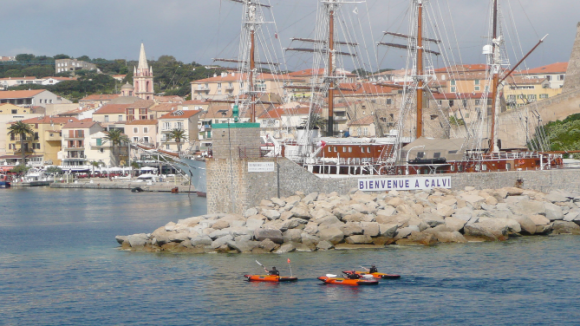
242	138
573	73
251	188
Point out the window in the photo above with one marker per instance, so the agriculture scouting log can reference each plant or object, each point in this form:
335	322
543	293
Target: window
334	148
453	83
420	154
329	149
167	146
120	118
484	167
477	102
146	140
135	130
14	111
179	125
35	136
544	95
166	125
343	149
145	130
389	101
350	149
476	82
451	103
561	77
453	89
452	152
437	155
135	139
106	118
219	85
532	97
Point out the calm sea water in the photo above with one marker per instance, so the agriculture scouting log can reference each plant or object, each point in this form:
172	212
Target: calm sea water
59	266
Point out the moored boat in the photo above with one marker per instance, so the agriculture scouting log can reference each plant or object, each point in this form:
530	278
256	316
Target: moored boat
4	183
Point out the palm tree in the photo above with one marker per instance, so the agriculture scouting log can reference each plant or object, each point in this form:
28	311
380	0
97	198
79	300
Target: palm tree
95	164
117	138
178	135
22	129
316	121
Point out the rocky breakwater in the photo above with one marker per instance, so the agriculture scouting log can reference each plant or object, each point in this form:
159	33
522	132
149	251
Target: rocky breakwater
369	220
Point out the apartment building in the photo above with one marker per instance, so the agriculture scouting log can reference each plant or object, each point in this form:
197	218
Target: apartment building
520	91
142	132
30	98
73	65
555	73
76	150
181	120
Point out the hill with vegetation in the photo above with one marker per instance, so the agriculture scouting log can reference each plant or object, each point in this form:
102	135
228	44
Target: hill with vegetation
172	77
563	135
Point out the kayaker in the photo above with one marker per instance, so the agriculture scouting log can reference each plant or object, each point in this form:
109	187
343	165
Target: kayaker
353	276
274	271
373	269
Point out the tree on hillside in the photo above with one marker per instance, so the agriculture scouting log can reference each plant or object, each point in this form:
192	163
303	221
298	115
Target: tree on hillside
21	129
84	58
24	57
61	56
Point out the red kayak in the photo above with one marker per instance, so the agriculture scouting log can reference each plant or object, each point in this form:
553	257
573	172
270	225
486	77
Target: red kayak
375	275
270	278
333	279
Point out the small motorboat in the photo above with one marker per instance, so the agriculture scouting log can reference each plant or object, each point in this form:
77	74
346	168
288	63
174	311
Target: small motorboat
270	278
334	279
4	183
375	275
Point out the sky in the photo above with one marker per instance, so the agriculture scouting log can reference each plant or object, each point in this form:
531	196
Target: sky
199	30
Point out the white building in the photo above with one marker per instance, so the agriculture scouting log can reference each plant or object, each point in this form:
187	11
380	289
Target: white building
80	146
555	73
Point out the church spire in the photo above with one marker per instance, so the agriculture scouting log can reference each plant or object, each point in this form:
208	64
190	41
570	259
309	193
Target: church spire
143	59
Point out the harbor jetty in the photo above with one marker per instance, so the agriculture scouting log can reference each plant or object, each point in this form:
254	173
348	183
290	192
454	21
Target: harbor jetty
319	221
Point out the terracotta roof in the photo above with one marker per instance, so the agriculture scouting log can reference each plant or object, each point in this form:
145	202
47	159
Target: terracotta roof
20	94
61	78
517	80
77	110
112	109
169	99
100	97
186	115
194	102
369	119
469	67
19	78
307	73
142	104
272	114
554	68
141	122
79	124
50	120
164	107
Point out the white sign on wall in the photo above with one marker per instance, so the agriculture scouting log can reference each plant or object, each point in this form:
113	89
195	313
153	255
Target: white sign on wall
414	183
260	166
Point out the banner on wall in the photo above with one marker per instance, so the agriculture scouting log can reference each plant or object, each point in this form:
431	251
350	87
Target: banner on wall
414	183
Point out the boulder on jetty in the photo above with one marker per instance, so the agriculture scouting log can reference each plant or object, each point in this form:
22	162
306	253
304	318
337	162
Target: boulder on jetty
310	222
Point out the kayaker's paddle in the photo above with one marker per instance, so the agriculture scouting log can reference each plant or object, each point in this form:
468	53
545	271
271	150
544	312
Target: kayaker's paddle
366	269
257	262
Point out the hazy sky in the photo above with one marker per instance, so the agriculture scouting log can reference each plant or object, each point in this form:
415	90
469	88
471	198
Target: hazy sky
198	30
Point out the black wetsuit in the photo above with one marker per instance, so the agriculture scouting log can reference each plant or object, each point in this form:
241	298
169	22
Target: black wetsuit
353	276
373	270
274	272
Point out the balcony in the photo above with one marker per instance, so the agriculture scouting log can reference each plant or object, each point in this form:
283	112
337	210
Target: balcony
52	136
201	89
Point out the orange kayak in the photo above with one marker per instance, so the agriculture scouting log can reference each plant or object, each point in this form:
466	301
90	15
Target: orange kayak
375	275
328	279
270	278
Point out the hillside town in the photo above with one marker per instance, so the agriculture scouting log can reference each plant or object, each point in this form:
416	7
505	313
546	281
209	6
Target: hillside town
73	136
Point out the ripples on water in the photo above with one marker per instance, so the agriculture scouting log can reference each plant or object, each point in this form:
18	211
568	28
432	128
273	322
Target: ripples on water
59	265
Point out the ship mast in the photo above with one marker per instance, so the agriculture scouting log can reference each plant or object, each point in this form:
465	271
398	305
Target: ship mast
420	82
252	23
330	126
495	67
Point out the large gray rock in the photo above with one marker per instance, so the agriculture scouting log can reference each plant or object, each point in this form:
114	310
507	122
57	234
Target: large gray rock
137	240
333	235
388	230
500	227
268	245
527	208
221	224
324	245
539	220
352	229
572	216
406	231
240	230
121	238
271	214
286	248
301	212
474	200
553	212
311	228
387	219
527	225
274	235
253	224
221	241
292	236
556	197
371	229
357	217
450	237
455	224
476	230
359	239
387	211
563	227
278	201
310	198
343	211
243	246
218	233
202	240
179	237
309	240
293	223
432	219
